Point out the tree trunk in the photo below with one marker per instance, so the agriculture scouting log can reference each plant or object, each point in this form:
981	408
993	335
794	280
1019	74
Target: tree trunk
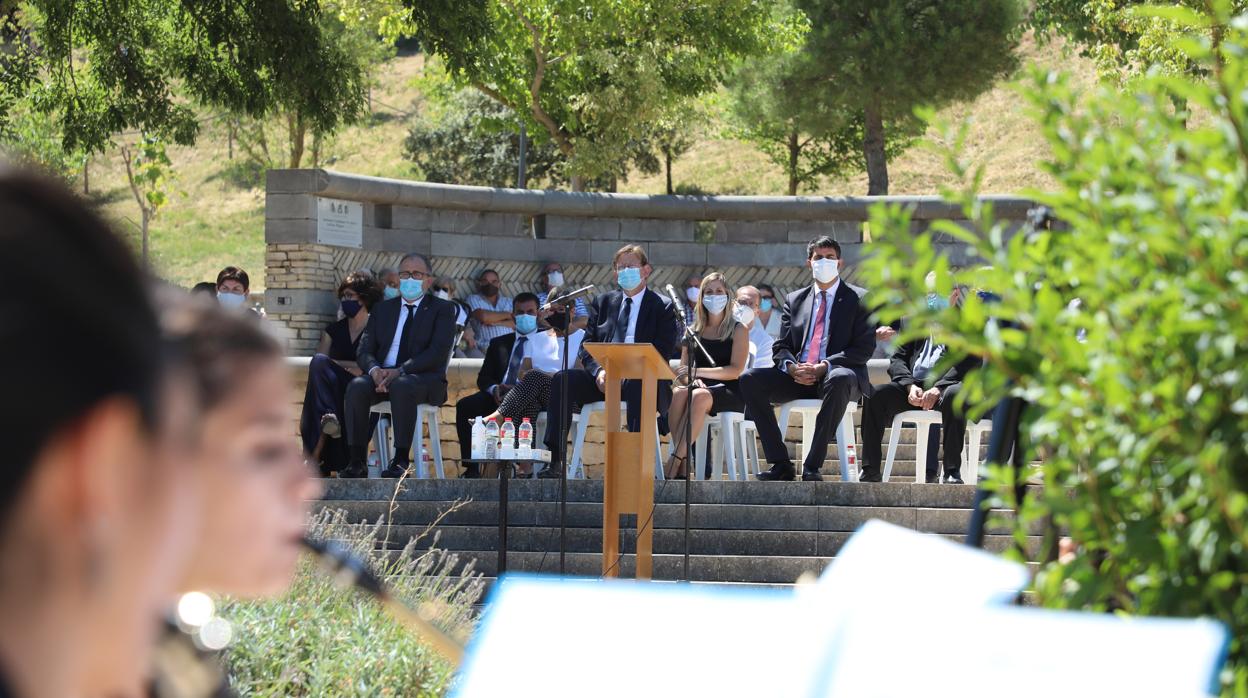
86	177
229	130
316	149
297	130
873	149
147	218
667	162
578	183
794	151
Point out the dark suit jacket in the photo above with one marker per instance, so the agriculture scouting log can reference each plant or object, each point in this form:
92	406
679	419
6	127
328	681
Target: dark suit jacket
901	368
849	339
494	366
431	332
656	324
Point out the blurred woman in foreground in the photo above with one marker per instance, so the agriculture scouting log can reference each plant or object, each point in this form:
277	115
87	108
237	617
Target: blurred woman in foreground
95	508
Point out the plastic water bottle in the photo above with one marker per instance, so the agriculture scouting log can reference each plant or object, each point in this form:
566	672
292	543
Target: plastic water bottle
478	439
507	447
491	439
524	447
851	457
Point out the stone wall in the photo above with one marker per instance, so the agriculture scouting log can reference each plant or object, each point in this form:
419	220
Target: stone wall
515	232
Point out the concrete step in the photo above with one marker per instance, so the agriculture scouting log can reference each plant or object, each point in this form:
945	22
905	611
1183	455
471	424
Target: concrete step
739	517
483	540
880	494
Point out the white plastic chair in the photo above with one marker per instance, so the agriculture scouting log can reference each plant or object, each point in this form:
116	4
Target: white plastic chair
576	468
921	419
722	429
975	434
808	410
747	440
425	414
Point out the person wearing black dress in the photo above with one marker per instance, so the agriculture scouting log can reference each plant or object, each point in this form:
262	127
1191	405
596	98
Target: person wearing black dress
714	389
332	368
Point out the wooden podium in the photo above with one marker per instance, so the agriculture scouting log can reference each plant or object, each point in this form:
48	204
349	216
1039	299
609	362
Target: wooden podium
629	486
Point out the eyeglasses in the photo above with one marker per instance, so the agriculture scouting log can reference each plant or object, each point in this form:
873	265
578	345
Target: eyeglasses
405	275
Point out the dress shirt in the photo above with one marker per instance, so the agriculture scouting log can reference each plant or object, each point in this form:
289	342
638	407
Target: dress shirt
829	300
630	335
927	359
762	346
484	332
392	356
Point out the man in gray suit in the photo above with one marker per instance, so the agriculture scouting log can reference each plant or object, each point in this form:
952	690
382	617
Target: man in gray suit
404	351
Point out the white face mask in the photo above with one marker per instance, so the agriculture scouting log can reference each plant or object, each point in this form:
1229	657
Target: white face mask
555	278
715	304
692	294
825	271
744	314
444	295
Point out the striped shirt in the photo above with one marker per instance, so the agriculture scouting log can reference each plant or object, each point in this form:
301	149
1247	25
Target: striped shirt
483	332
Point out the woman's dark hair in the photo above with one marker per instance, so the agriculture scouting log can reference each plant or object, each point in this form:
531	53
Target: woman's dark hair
365	286
217	346
234	274
205	287
66	347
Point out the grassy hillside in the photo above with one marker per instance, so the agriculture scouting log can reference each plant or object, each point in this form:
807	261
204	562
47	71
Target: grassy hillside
215	220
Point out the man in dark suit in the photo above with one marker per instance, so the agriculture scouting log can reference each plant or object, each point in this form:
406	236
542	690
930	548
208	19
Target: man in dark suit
403	352
911	368
633	314
500	371
826	338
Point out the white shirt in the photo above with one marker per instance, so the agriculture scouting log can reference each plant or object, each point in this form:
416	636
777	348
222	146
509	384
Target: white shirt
631	335
546	350
527	353
762	346
392	356
928	357
773	323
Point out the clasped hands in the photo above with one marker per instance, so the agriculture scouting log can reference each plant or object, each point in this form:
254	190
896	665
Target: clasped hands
683	378
923	399
808	374
383	377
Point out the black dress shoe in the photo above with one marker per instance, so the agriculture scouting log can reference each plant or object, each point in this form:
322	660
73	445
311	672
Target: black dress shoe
396	469
353	470
778	472
954	479
933	480
812	476
550	472
865	476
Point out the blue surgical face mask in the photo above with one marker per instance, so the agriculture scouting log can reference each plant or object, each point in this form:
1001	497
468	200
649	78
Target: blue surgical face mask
411	289
764	305
526	324
390	292
715	304
937	302
628	278
231	300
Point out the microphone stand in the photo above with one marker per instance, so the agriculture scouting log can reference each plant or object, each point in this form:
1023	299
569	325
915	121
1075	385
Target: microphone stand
568	304
691	362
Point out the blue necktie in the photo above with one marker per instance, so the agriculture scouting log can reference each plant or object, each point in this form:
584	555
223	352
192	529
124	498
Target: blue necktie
621	323
513	366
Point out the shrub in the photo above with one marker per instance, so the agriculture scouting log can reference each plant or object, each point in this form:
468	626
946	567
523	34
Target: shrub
321	640
1138	394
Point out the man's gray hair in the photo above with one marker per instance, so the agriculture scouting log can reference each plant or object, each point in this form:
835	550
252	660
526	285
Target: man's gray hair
416	255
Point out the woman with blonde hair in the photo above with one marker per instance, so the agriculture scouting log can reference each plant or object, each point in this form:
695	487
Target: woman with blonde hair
713	388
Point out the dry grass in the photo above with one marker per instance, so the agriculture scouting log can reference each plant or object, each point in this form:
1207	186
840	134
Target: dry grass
213	220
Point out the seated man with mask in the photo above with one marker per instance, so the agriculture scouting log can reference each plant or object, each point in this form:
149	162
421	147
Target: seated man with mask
748	300
500	371
633	314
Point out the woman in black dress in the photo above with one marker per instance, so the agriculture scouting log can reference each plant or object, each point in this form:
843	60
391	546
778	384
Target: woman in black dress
713	389
332	368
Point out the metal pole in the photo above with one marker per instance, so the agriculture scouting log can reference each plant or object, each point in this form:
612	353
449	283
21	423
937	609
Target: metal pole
1003	442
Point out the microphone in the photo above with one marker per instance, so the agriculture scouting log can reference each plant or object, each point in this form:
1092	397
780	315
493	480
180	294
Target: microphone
680	305
551	303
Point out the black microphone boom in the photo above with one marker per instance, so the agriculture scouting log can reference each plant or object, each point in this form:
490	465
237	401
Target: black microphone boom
567	298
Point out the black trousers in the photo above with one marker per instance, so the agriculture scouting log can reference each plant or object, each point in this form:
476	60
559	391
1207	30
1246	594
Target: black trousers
764	387
327	388
583	389
479	404
406	393
890	400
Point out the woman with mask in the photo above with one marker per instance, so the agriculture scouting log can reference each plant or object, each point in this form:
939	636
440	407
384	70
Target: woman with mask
713	389
331	368
96	505
768	310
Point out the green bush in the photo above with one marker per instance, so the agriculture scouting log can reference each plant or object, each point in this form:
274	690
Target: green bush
321	640
1138	393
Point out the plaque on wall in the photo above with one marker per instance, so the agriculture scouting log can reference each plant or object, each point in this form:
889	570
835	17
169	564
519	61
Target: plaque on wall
339	222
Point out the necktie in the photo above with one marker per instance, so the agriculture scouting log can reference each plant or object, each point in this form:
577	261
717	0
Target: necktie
621	323
513	366
814	351
405	342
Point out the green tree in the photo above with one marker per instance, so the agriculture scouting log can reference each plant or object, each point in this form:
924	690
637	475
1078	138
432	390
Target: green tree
1137	393
595	74
148	172
102	68
803	136
884	58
